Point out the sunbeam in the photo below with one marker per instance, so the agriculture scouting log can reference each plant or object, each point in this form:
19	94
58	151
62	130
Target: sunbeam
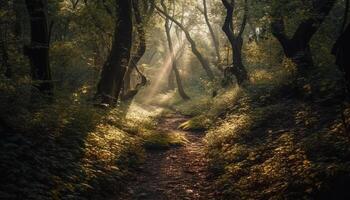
165	99
163	73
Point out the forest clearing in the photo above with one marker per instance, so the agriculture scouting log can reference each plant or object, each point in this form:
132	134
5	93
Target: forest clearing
174	99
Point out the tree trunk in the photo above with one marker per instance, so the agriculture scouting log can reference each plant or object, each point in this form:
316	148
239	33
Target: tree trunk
113	71
18	6
171	81
342	52
3	42
181	90
297	48
151	57
213	36
236	42
128	93
4	59
38	50
195	51
140	47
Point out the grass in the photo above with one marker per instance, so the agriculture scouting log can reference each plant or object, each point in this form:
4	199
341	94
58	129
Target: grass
266	141
161	141
282	150
205	110
67	149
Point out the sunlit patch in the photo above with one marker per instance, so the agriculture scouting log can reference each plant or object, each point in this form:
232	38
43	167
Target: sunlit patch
260	74
163	73
142	112
156	140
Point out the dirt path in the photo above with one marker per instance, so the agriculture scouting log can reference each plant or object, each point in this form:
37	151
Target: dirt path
177	173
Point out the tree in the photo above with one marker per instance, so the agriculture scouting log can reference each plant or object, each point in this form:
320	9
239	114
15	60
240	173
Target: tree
212	34
341	49
140	48
297	48
112	75
196	52
167	26
18	7
38	50
236	41
3	41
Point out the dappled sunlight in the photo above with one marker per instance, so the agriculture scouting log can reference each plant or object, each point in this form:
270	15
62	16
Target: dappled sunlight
141	112
163	73
165	99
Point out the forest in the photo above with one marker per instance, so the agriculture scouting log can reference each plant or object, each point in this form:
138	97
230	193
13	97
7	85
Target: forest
174	99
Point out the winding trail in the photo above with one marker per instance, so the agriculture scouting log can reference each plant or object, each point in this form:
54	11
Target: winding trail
176	173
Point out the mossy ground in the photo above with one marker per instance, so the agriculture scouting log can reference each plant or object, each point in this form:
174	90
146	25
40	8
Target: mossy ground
266	140
65	150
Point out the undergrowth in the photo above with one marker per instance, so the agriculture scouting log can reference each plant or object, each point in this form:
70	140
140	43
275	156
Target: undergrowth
266	141
66	149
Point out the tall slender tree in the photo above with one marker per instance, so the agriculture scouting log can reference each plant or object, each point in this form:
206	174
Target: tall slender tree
204	62
212	34
167	26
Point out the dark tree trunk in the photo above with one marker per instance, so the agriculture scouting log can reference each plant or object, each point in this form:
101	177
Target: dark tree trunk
341	50
297	48
18	7
171	81
4	59
38	50
128	93
113	71
4	26
236	42
181	90
127	80
140	47
213	36
195	51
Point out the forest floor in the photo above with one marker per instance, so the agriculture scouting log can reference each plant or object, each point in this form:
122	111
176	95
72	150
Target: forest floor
178	172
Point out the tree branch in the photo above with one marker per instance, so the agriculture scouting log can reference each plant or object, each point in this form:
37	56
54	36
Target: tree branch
244	21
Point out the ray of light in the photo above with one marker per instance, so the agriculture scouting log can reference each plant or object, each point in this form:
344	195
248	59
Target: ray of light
163	73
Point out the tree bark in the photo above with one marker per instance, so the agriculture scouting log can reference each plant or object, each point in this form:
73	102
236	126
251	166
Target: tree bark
236	42
38	50
180	88
140	47
18	6
128	93
113	71
342	52
171	81
297	48
3	42
195	51
213	36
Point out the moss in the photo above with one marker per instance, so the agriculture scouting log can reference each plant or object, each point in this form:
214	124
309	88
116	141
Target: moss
276	148
78	150
160	141
198	123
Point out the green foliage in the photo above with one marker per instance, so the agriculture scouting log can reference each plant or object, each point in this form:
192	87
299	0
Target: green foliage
273	145
264	140
160	141
198	123
78	151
